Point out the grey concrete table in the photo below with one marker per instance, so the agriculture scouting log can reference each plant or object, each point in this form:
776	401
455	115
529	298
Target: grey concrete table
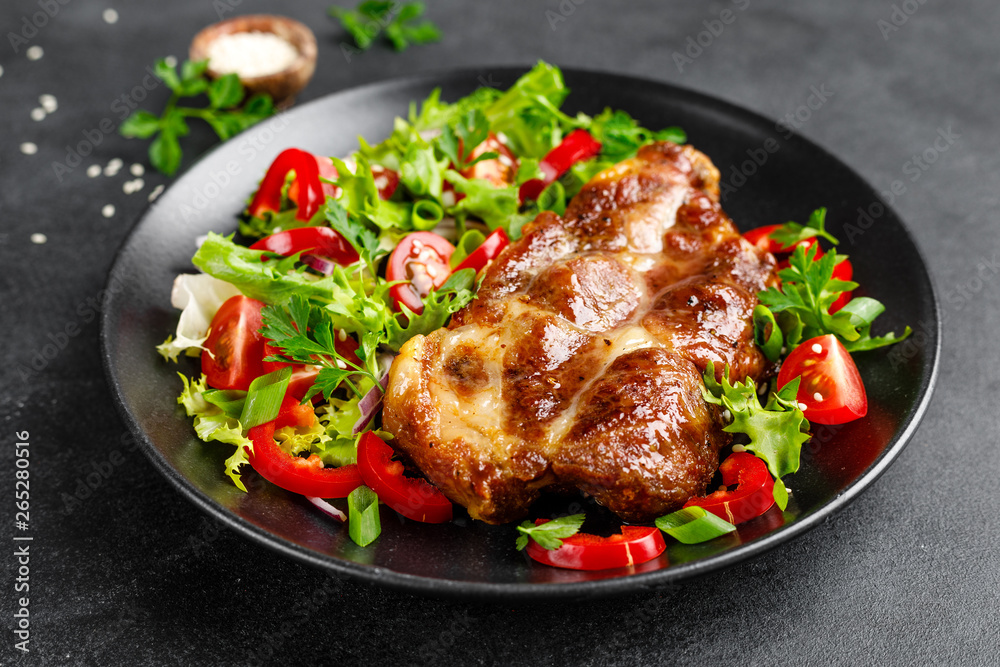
904	92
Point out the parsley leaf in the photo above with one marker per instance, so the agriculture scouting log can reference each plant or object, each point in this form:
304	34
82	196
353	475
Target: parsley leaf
359	235
224	96
805	295
621	136
549	535
399	22
776	430
791	233
305	335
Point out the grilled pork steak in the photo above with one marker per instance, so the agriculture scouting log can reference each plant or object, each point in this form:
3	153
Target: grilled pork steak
579	363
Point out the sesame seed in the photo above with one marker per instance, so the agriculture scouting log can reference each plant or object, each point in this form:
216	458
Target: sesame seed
113	167
37	114
48	102
34	52
157	191
108	210
817	348
341	335
803	406
39	239
128	187
137	169
817	396
739	448
448	198
1	70
94	170
170	61
341	365
110	16
506	161
381	182
727	415
29	148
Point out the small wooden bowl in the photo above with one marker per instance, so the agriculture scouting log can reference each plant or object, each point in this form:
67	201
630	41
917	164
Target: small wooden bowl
282	86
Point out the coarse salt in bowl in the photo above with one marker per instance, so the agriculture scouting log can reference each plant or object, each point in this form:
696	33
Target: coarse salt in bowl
270	54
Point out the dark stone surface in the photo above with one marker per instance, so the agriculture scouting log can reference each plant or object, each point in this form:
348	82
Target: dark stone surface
136	575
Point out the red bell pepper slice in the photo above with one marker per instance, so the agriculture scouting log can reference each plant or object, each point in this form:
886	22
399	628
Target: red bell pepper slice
309	191
486	252
753	495
321	241
582	551
296	474
578	145
412	497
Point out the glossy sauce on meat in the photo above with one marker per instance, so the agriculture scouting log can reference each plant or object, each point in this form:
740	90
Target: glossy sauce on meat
579	363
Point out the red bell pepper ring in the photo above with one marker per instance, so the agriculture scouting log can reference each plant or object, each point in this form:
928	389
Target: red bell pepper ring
582	551
486	252
577	146
309	191
296	474
753	495
412	497
321	241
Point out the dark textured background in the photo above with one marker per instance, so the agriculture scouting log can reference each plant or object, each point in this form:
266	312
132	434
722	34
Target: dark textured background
136	575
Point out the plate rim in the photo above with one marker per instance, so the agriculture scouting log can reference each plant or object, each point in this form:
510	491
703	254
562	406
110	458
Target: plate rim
458	588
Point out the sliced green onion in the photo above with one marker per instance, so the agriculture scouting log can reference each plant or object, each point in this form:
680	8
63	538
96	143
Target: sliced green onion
264	398
363	524
470	240
692	525
230	401
426	214
767	333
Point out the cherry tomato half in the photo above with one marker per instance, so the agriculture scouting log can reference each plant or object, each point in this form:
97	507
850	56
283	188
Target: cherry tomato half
501	171
321	241
753	495
412	497
485	253
234	349
422	259
634	546
831	387
294	473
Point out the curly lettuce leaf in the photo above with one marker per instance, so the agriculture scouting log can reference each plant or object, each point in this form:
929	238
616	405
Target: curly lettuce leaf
211	423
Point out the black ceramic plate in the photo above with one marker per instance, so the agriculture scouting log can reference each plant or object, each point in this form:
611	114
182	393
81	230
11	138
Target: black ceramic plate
774	178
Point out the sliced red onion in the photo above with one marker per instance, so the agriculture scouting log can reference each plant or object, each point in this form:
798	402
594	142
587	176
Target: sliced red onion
370	403
327	508
321	264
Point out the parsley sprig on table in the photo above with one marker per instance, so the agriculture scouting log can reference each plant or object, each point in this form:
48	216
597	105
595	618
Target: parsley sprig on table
776	430
396	20
549	535
223	114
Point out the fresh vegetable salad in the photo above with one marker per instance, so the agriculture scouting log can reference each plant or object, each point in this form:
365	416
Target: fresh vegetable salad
341	261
